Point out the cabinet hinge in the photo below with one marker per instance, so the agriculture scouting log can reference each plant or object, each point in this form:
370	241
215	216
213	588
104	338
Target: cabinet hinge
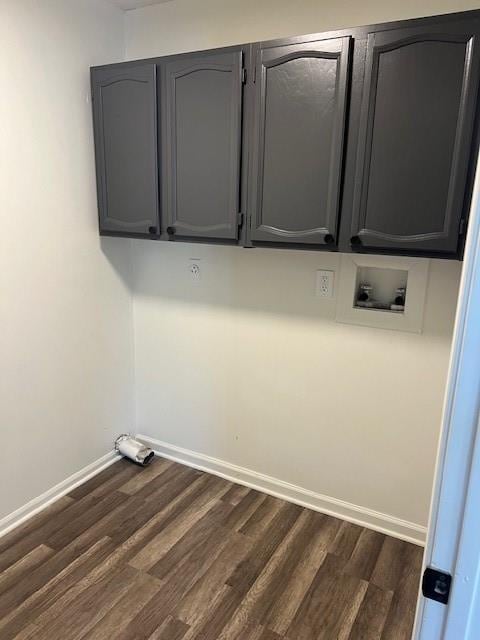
436	585
461	227
244	76
240	219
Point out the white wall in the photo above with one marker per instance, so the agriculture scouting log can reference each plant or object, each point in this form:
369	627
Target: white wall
247	366
187	25
65	306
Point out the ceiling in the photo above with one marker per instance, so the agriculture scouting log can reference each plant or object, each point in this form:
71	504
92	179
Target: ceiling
136	4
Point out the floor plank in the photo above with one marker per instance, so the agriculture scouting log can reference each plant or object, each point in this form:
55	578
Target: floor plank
201	504
28	563
330	605
171	629
372	614
172	553
113	471
141	590
9	540
399	623
89	606
205	592
364	556
235	494
298	581
155	469
43	597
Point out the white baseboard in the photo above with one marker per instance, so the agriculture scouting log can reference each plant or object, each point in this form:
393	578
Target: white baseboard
36	505
362	516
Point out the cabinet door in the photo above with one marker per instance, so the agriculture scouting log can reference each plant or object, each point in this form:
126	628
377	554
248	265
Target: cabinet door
203	144
125	126
415	139
299	125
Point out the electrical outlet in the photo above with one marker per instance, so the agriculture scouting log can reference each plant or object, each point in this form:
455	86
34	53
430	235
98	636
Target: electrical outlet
324	288
195	272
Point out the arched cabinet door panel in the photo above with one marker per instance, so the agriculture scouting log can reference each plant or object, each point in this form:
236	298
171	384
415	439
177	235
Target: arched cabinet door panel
203	126
299	127
415	139
125	128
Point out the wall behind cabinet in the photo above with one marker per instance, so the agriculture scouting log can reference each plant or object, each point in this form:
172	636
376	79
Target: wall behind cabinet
247	365
189	25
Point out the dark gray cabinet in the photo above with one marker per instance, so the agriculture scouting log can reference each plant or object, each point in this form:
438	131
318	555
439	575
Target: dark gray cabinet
298	135
125	122
358	140
415	138
203	132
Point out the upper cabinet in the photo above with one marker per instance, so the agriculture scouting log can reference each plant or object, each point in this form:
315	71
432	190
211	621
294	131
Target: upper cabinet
125	121
203	133
415	139
298	135
359	140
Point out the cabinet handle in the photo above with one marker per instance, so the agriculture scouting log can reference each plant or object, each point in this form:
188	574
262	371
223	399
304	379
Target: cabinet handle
152	230
171	231
329	239
355	240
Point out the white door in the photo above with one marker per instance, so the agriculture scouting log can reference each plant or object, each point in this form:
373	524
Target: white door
453	543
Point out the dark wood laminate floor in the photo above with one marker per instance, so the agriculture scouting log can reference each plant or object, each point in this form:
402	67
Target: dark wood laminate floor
170	553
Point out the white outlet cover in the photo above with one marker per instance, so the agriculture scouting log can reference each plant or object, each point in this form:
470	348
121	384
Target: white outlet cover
324	284
194	270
